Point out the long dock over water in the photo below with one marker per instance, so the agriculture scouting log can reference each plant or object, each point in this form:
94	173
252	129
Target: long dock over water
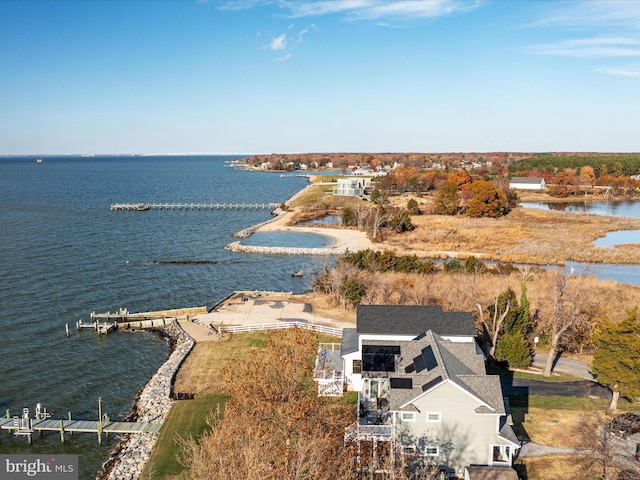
26	426
141	207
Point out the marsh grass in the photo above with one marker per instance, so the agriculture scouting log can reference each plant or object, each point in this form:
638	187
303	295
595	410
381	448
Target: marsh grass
461	292
523	236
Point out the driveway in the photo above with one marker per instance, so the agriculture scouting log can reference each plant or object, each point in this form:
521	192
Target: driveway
568	366
581	388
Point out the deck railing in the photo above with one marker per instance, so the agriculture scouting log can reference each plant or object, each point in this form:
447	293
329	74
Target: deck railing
369	432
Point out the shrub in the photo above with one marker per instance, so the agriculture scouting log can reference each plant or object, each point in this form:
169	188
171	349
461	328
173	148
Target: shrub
353	291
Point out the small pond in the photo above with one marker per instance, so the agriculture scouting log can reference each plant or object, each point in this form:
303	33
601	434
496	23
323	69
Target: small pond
326	220
613	208
620	237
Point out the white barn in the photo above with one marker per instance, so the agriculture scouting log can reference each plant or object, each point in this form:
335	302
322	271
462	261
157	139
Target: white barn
527	183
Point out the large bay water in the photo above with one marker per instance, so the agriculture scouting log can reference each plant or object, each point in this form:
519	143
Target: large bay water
64	254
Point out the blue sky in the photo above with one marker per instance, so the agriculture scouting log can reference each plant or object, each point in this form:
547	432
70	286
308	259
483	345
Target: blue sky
319	76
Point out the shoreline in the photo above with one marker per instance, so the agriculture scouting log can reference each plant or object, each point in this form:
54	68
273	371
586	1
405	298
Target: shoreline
342	239
130	457
151	404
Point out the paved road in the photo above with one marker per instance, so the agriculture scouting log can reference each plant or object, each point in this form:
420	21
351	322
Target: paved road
567	366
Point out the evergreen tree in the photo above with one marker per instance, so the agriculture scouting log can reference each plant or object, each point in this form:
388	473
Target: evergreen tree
348	217
402	222
512	345
616	362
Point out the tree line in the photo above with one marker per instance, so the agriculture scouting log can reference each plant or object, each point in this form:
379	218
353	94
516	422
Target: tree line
616	164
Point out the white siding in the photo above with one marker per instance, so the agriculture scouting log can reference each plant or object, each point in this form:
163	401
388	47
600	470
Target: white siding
460	426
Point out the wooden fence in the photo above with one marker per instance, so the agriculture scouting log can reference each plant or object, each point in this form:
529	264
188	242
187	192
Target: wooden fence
334	332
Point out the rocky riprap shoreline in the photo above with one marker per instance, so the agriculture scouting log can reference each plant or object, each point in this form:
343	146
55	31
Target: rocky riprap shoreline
152	405
247	232
238	247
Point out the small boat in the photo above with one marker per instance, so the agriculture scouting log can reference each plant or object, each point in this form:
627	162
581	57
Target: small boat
39	160
299	273
141	207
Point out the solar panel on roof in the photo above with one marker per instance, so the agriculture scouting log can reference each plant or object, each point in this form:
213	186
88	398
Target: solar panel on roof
419	363
426	360
379	358
431	383
429	358
405	383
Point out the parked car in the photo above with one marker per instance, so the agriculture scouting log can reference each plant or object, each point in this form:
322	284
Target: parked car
638	452
625	424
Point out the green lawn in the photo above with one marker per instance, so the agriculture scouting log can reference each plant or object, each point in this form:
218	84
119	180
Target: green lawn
187	419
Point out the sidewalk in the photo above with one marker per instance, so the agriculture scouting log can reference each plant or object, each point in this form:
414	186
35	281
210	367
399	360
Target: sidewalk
536	449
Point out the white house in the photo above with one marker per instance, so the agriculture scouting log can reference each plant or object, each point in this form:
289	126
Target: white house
351	186
527	183
422	383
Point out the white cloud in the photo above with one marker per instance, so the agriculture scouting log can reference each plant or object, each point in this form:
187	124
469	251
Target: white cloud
278	43
378	9
304	31
591	47
613	14
621	72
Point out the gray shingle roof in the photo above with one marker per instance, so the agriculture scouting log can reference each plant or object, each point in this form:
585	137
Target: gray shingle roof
349	341
413	320
527	180
461	363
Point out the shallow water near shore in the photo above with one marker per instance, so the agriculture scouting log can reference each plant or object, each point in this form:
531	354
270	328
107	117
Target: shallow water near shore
65	254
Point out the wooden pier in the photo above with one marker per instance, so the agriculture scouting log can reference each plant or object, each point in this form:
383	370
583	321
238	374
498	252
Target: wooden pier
142	207
111	321
25	426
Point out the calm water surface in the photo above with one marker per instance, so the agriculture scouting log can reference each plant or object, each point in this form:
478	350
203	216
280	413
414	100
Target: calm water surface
65	254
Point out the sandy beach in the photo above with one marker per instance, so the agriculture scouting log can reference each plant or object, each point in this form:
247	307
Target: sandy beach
342	238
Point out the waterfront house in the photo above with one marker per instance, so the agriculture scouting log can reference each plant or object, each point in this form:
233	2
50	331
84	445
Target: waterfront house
422	384
351	186
527	183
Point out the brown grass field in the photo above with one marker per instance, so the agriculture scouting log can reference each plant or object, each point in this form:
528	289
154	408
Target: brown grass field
525	235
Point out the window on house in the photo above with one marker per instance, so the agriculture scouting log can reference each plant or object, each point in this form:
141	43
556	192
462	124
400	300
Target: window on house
500	454
408	449
357	366
408	416
431	451
433	417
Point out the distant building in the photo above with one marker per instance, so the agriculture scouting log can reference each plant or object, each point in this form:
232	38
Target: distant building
527	183
351	186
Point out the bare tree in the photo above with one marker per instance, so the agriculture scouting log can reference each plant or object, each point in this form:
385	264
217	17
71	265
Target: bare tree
600	446
570	310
